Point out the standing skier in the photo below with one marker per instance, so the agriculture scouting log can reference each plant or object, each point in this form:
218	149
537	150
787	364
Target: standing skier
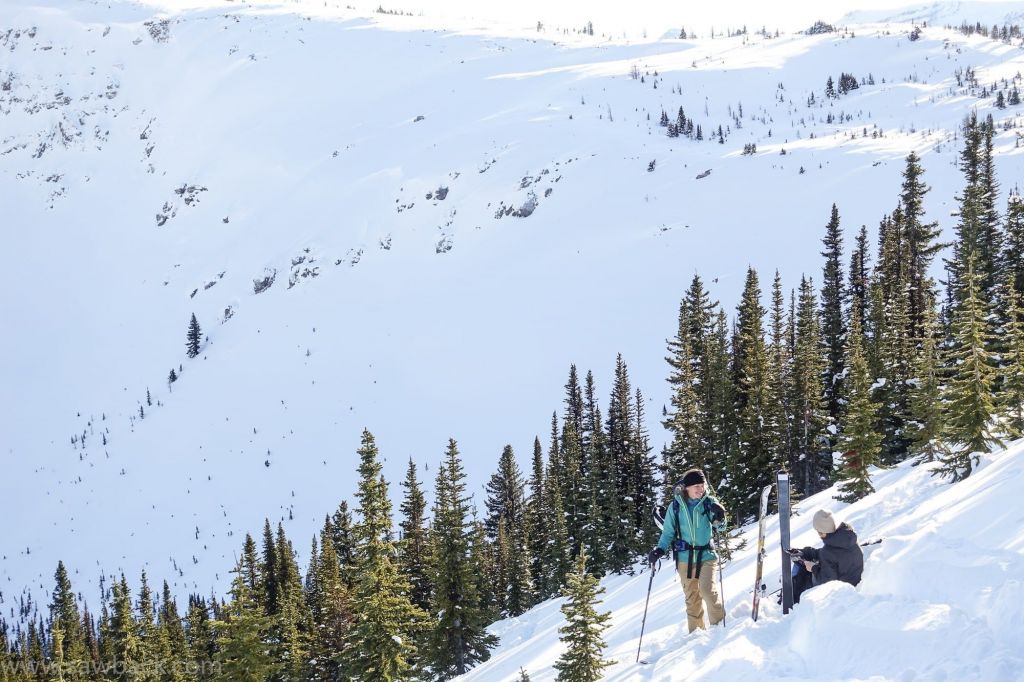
689	521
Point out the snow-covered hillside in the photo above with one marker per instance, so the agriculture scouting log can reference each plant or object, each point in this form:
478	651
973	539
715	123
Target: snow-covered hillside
449	219
940	598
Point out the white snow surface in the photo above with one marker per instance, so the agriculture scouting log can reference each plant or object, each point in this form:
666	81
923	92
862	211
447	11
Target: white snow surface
941	597
156	158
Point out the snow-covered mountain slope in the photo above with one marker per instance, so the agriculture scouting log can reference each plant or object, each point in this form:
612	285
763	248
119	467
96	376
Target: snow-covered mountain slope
449	219
940	597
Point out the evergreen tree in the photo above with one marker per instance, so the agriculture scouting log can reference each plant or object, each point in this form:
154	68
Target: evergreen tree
780	412
173	646
147	633
344	542
755	461
968	395
459	639
860	276
582	634
201	638
926	425
812	461
1013	378
602	480
292	623
193	338
537	518
556	557
483	555
922	245
893	347
124	647
572	483
990	234
245	647
64	616
623	510
860	443
380	640
268	571
722	432
1013	251
331	609
684	420
645	483
833	327
413	548
505	497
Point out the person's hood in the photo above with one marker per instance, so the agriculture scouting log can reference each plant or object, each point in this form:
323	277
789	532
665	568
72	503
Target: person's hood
844	537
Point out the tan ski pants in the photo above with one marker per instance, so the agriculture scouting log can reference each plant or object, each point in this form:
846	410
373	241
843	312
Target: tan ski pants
700	591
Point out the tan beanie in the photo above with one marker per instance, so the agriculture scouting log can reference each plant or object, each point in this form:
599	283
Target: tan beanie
823	522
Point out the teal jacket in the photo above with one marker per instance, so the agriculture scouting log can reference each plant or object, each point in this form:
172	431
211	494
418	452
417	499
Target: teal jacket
694	527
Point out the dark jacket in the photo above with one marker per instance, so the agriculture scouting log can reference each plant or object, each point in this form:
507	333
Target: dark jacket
840	559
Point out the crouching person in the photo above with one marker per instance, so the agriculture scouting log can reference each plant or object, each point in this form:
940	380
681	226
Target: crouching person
687	532
840	558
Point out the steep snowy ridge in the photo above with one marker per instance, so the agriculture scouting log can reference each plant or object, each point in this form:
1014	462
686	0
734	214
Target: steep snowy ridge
940	597
158	161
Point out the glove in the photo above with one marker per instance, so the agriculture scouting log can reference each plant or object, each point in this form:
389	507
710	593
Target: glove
795	554
655	555
715	511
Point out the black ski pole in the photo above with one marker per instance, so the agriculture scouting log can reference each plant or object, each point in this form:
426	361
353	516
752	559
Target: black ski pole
643	623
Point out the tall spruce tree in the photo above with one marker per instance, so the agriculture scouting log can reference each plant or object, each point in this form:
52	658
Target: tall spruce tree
505	495
922	246
601	479
1013	251
537	518
268	571
292	624
331	609
246	648
893	348
860	444
506	511
811	462
722	433
171	633
123	645
990	233
556	557
201	638
755	460
925	429
968	394
780	413
459	639
833	325
622	457
344	542
684	421
860	276
582	635
414	546
148	640
64	615
380	641
1013	379
646	481
193	337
